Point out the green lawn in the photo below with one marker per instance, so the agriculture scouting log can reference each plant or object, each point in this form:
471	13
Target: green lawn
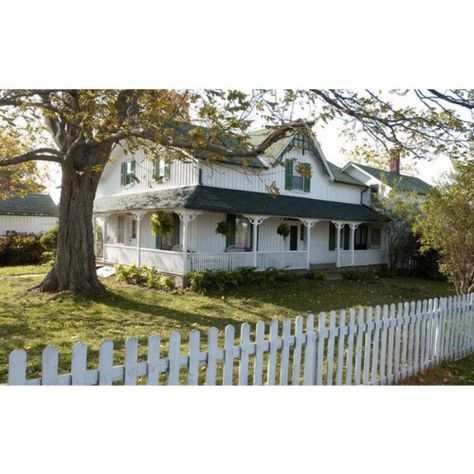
31	321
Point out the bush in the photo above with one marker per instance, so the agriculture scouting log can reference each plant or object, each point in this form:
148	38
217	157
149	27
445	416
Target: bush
360	275
49	239
316	275
20	249
144	276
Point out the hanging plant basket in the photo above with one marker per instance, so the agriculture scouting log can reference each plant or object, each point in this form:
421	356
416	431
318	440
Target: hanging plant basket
283	230
162	223
223	228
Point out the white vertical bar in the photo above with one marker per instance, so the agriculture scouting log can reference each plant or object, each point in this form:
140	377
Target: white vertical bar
258	362
244	354
391	336
310	352
153	360
285	352
340	346
350	346
79	364
272	356
429	327
383	347
193	352
424	316
322	334
411	337
295	378
106	362
375	354
405	319
360	336
398	338
332	336
131	355
416	354
229	339
435	331
211	356
368	346
17	367
50	366
174	356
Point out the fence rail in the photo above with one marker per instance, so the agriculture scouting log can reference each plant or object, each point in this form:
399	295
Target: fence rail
368	346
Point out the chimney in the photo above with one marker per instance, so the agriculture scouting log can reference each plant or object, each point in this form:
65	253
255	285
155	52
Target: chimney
395	160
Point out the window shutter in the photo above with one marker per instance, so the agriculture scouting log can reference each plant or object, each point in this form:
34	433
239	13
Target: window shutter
346	237
123	172
307	179
156	168
133	171
332	236
175	229
167	170
288	174
230	239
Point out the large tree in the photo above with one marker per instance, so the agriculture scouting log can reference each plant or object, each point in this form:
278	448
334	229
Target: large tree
79	129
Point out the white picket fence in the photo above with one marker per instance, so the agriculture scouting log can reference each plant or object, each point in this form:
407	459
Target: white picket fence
373	346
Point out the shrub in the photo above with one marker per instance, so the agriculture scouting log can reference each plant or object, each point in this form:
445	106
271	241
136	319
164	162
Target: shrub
144	276
316	275
20	249
359	275
49	240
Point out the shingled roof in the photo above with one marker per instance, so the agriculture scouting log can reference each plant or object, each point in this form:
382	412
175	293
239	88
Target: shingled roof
208	198
30	205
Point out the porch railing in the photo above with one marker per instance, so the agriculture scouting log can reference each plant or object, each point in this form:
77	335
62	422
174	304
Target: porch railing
120	254
220	261
163	260
289	260
362	257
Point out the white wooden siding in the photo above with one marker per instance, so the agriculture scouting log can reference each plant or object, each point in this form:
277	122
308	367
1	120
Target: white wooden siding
28	224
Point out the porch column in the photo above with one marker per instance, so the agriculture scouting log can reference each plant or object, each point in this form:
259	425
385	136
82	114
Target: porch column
139	216
186	216
105	219
339	226
255	221
353	227
309	224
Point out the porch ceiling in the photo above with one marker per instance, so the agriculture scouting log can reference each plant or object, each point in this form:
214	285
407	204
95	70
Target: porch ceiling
207	198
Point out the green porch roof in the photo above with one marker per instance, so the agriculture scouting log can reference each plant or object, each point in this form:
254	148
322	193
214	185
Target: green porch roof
401	182
30	205
207	198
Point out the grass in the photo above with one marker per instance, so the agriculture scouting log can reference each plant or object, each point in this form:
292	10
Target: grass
25	270
460	372
32	321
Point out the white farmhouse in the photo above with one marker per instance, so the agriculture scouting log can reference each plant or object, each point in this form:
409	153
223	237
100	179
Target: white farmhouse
322	205
32	214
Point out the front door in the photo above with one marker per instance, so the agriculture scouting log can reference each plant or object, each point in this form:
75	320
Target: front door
293	237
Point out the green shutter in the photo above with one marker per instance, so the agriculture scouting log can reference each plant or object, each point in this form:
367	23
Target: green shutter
167	170
332	236
307	179
158	242
134	169
288	174
346	237
175	229
123	171
230	239
156	168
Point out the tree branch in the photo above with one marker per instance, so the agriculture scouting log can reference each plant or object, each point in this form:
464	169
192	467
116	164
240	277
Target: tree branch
41	154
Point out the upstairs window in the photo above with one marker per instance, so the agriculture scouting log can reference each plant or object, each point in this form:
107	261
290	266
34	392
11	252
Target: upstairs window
297	176
161	169
303	143
128	173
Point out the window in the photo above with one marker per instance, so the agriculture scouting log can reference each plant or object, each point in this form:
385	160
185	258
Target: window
241	232
361	238
374	192
297	176
127	175
168	241
303	142
375	236
344	238
134	229
302	232
161	169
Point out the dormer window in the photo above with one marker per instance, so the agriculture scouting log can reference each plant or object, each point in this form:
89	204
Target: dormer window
303	142
128	173
374	191
297	176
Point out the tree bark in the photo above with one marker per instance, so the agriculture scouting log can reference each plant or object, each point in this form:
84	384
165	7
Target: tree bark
74	268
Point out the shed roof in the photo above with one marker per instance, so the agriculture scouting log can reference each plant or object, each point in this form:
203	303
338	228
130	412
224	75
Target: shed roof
30	205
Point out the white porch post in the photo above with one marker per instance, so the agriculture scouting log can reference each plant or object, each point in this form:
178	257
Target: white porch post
186	217
138	216
255	221
339	226
353	227
309	224
105	219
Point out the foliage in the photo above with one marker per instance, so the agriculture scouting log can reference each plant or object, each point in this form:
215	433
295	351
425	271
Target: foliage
144	276
223	228
283	229
49	239
162	223
20	249
446	224
367	276
316	275
99	240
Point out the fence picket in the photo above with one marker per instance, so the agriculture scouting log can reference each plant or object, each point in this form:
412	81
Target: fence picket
322	334
194	352
244	354
340	346
229	340
174	356
295	377
350	346
131	355
360	336
259	348
285	351
423	334
212	336
375	350
391	338
17	367
398	339
411	337
404	355
367	346
153	360
429	337
435	331
310	352
331	341
273	352
383	344
49	367
416	354
79	364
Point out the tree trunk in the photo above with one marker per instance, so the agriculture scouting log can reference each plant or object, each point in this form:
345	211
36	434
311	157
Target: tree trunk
74	268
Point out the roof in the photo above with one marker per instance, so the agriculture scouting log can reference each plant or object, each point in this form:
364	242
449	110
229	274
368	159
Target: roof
398	181
342	177
207	198
30	205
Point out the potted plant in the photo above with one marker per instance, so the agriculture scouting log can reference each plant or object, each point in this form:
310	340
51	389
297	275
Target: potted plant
162	223
283	230
223	228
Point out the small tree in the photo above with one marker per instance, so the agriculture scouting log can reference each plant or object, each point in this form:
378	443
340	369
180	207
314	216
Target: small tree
447	225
